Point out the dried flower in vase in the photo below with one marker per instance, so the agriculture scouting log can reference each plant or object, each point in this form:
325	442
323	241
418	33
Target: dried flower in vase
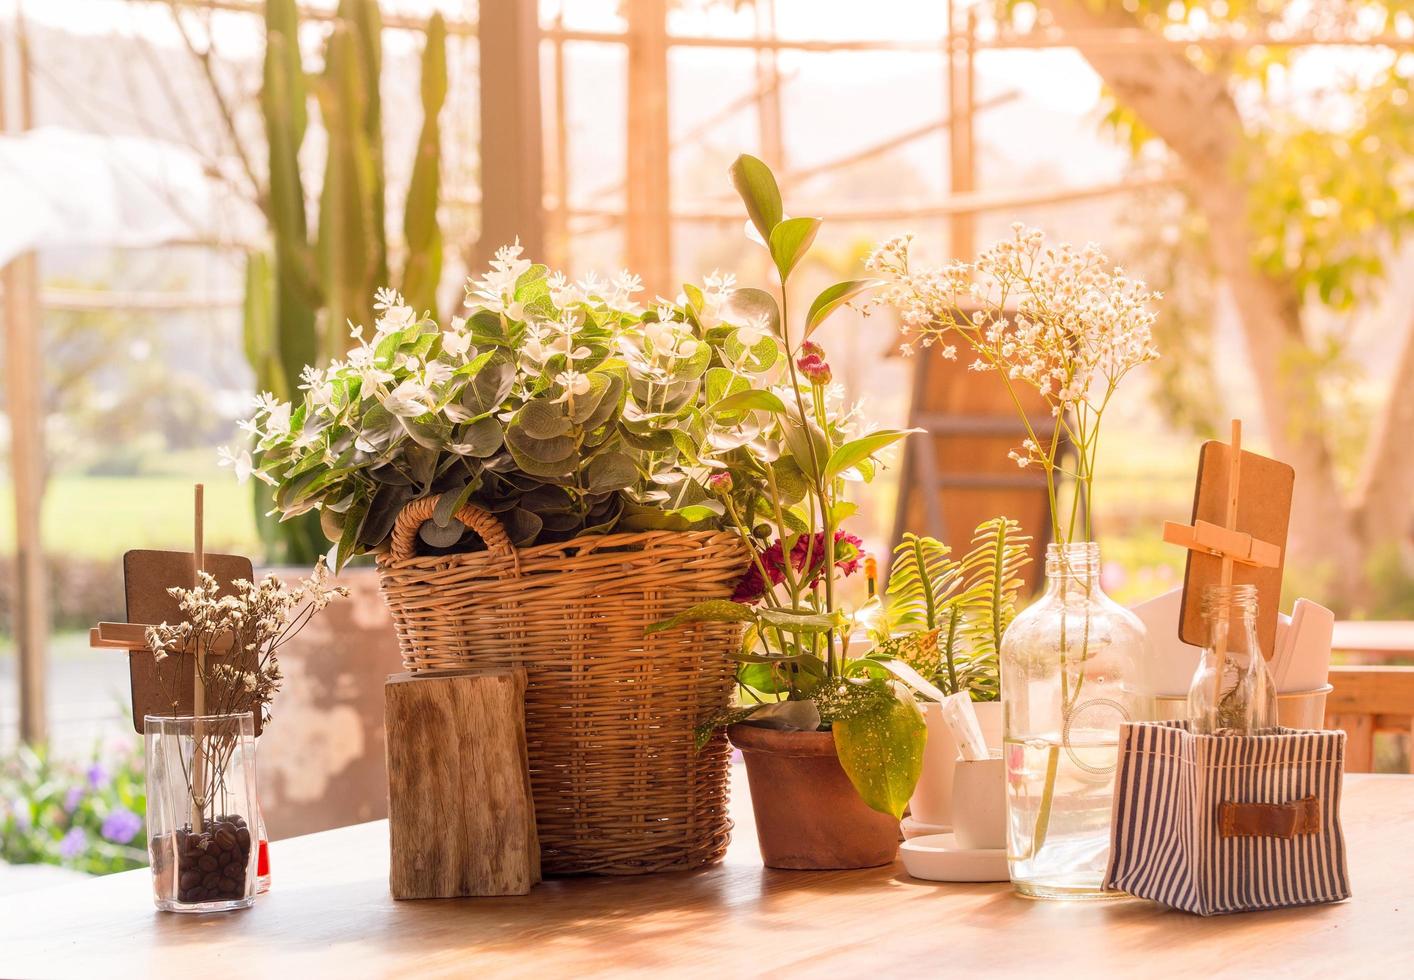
244	630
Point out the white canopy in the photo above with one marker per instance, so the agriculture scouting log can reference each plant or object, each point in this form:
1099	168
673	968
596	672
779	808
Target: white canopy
61	188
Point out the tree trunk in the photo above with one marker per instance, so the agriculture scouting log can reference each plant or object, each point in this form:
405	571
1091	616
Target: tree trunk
1194	113
1386	493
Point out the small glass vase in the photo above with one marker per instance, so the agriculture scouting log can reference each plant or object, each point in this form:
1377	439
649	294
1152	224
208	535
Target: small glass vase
1065	662
1243	700
202	812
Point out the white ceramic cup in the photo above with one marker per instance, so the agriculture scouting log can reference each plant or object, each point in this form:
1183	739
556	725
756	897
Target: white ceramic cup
932	799
979	804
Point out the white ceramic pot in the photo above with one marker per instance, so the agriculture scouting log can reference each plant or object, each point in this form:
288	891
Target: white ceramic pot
931	803
979	804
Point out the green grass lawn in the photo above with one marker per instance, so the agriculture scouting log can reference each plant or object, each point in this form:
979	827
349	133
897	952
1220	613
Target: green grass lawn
104	516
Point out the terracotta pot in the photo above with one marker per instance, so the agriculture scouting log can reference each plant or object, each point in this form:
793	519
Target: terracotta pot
808	815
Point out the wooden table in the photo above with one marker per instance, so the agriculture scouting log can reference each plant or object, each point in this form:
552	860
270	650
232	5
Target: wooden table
330	915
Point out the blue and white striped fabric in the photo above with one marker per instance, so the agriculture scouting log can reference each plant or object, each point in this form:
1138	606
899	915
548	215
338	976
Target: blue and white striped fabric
1166	835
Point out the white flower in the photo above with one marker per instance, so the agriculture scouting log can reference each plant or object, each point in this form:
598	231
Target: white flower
239	462
562	291
622	288
278	421
671	339
436	373
456	343
495	291
409	399
755	330
397	318
385	298
574	383
320	389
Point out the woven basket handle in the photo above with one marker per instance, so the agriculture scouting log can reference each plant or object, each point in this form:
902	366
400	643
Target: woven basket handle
483	522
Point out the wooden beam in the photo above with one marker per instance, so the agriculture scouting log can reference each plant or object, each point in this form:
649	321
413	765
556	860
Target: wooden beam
1371	691
975	202
24	405
962	163
1136	41
456	26
511	171
648	220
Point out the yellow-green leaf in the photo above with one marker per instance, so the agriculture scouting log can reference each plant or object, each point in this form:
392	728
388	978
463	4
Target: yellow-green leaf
882	753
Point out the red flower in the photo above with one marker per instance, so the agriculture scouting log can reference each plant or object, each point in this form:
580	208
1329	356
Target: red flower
848	553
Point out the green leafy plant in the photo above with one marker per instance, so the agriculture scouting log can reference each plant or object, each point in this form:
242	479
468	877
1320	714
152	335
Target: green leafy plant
86	816
562	407
946	616
781	465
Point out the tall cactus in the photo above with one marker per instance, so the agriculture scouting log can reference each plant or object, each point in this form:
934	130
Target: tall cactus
283	102
297	304
422	269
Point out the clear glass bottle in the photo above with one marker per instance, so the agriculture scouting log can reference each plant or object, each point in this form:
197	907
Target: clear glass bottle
1243	701
1065	663
201	811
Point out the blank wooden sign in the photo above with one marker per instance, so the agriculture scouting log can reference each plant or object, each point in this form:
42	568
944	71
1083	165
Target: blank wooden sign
1263	511
460	814
147	576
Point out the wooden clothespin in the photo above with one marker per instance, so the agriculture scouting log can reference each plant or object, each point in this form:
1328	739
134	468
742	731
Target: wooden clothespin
147	576
1241	513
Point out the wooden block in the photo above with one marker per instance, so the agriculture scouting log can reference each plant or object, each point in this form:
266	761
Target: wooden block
461	819
1263	512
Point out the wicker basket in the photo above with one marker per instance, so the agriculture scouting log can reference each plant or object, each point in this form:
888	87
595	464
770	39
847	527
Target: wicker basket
619	786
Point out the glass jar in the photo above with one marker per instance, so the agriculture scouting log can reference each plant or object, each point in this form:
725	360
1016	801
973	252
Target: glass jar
1065	662
1232	690
201	811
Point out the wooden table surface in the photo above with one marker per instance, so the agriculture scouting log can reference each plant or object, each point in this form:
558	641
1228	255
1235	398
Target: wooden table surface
330	915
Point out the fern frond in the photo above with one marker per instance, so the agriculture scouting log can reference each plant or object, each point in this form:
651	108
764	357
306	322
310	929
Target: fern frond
991	573
922	577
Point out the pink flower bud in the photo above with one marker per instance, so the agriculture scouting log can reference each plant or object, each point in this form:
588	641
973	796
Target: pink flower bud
812	363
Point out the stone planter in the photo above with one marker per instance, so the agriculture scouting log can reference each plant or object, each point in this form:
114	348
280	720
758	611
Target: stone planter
808	814
322	761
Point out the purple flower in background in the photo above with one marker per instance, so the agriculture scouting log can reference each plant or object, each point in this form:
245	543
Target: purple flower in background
73	844
73	798
20	808
121	826
97	775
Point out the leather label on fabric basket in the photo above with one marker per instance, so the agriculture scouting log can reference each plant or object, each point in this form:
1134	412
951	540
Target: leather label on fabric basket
1285	820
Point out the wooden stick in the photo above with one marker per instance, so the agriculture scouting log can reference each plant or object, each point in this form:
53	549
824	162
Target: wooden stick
1234	479
199	686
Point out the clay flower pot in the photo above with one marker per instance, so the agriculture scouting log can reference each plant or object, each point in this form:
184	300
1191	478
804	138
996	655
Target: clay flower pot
808	815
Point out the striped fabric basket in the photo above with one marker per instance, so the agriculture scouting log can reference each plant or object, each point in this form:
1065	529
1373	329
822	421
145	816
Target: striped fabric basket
1214	824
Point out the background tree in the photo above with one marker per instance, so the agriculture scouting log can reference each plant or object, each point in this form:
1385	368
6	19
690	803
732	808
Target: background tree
1301	211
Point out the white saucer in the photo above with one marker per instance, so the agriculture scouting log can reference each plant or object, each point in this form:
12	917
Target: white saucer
912	827
936	857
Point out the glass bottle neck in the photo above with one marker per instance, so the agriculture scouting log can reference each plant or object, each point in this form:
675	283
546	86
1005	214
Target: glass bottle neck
1073	569
1235	604
1230	612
